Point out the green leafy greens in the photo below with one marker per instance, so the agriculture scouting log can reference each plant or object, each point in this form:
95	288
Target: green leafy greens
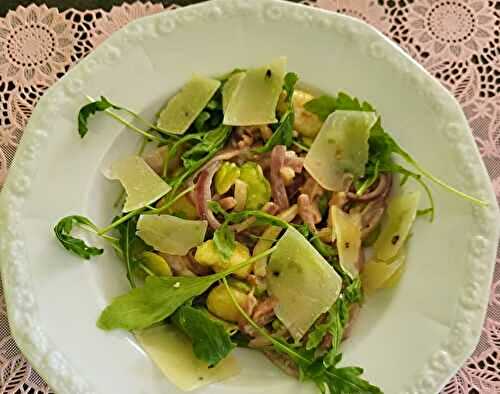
289	85
224	241
90	109
210	142
159	298
199	154
334	325
283	135
321	106
344	380
211	342
382	149
152	303
201	121
63	233
336	321
322	370
128	237
324	105
104	105
224	238
211	117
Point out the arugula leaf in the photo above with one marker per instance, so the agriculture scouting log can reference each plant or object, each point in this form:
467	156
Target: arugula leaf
215	103
353	292
283	135
348	103
128	238
211	117
90	109
317	334
321	106
224	241
303	229
323	370
63	230
346	380
210	143
159	298
290	80
211	342
104	104
216	118
382	148
338	316
183	140
363	185
201	120
194	158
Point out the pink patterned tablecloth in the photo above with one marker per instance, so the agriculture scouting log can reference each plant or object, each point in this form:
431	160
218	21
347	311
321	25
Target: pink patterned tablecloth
458	41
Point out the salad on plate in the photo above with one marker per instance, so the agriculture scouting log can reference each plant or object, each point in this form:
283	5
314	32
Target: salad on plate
258	215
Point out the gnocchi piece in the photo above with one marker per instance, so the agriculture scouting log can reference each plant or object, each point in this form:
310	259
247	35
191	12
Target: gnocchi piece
306	123
219	303
206	254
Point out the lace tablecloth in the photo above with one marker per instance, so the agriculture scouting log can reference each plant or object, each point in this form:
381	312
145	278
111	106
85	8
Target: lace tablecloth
456	40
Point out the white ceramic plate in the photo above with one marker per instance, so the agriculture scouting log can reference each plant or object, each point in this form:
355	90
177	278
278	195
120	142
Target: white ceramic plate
411	339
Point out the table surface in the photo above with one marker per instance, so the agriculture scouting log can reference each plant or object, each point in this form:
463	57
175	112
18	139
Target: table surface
458	41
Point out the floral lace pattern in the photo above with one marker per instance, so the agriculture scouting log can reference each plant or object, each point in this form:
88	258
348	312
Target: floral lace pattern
36	45
458	41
